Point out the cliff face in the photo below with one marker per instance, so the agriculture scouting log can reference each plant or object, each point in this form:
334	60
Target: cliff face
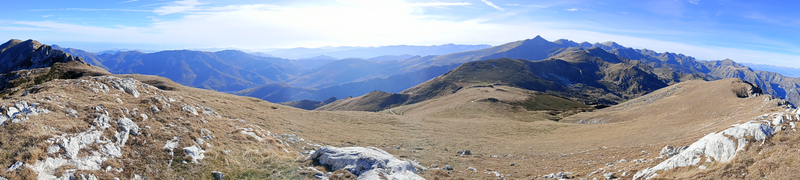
16	55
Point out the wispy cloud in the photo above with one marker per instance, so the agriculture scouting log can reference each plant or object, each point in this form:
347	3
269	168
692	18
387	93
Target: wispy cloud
438	4
527	5
694	1
88	9
177	7
130	1
46	16
572	9
492	5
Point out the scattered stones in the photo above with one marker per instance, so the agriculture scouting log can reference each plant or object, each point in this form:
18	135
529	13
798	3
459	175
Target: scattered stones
292	138
448	168
172	144
154	108
365	162
248	131
15	166
465	152
190	109
472	169
559	175
206	134
218	175
609	175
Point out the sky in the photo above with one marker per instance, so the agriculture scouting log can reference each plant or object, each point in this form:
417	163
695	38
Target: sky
763	31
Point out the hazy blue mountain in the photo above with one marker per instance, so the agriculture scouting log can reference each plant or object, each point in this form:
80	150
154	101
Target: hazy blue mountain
391	57
228	70
282	92
370	52
89	57
783	70
263	54
343	71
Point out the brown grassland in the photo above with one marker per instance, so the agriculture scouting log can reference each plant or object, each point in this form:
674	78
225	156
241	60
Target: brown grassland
515	142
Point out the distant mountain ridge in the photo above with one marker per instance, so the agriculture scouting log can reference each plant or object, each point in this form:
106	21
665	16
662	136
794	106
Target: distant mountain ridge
369	52
624	73
315	80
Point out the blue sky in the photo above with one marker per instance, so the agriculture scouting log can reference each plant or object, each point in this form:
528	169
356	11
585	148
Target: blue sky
746	31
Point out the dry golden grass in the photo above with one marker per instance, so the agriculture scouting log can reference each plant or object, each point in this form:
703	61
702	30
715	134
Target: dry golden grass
430	132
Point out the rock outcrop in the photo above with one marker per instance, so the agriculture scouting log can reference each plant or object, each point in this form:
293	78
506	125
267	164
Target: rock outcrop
16	55
365	162
722	146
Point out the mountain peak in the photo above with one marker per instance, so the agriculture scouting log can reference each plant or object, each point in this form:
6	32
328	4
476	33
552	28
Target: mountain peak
567	42
613	44
16	55
538	38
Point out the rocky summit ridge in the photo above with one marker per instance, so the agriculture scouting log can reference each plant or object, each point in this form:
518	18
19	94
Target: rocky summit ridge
16	55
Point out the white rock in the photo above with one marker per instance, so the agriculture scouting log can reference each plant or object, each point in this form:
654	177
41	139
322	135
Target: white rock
191	109
252	134
172	144
3	120
778	119
128	85
126	127
72	145
102	122
365	162
87	177
154	108
195	152
11	112
715	146
15	166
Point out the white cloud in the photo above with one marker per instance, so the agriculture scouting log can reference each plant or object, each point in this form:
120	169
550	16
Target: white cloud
438	4
527	5
572	9
694	1
89	9
177	7
47	16
130	1
492	5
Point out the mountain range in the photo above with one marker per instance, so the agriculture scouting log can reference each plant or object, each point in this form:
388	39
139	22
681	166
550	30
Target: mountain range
322	77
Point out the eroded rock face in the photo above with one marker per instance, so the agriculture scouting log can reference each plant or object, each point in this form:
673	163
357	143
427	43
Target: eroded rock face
365	162
714	147
17	55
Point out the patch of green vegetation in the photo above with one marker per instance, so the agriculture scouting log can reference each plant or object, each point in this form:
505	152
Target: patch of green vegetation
548	102
57	71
